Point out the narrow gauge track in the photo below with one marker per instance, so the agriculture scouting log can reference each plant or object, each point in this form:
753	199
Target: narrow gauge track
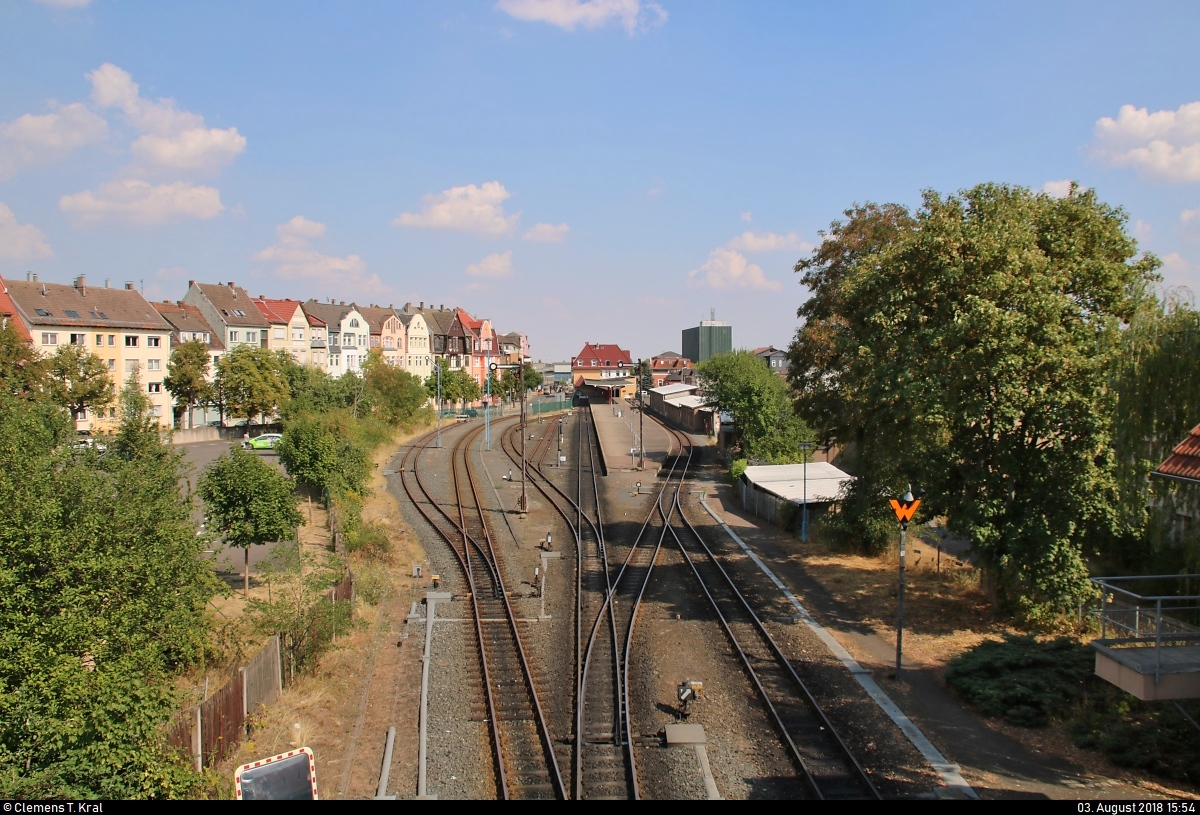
822	758
524	758
604	762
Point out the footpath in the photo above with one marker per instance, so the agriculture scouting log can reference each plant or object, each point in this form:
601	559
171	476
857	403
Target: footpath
995	765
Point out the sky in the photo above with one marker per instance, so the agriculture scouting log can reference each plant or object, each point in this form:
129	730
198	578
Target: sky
580	170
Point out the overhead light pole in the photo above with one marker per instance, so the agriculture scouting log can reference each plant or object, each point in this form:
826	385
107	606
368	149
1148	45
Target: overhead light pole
805	446
439	403
520	367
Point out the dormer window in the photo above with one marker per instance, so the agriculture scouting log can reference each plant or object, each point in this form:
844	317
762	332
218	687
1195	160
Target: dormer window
354	323
237	312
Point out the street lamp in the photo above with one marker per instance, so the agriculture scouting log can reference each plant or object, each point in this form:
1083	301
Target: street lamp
495	366
805	446
439	406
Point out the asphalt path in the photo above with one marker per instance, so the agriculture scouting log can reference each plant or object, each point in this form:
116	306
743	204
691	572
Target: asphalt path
227	560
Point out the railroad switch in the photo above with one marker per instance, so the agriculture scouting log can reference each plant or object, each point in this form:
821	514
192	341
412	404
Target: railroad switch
437	579
688	691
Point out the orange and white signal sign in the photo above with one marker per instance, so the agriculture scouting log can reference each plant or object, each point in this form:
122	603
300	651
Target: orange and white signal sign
904	512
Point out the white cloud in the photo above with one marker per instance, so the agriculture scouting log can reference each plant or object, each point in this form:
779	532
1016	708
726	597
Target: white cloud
547	233
495	266
729	269
31	140
1142	230
295	258
768	242
632	15
171	138
1163	146
1189	222
1059	189
138	202
469	209
20	241
65	3
747	216
1175	263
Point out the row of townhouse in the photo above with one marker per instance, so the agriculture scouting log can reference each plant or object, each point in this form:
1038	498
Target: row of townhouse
130	333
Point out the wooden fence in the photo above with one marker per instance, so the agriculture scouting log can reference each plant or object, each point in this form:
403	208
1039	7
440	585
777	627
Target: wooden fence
211	730
342	591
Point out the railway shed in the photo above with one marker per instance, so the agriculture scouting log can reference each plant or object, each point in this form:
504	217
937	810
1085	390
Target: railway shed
775	491
681	405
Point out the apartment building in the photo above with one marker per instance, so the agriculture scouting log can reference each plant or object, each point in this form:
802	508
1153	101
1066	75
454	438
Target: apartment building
290	330
349	334
187	325
386	332
117	325
418	352
231	313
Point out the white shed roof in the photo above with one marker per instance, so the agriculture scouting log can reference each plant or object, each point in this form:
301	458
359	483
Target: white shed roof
667	390
693	402
788	481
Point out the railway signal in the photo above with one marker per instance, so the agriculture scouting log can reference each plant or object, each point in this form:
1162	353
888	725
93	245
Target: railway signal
688	692
904	508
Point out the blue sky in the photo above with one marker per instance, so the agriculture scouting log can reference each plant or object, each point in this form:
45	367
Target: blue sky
602	171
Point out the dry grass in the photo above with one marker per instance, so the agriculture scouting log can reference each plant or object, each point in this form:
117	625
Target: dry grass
945	613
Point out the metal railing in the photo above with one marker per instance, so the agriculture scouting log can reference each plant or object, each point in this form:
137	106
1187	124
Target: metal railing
1164	615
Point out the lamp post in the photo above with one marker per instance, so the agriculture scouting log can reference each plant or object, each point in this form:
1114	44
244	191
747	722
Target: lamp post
805	446
904	509
487	405
439	406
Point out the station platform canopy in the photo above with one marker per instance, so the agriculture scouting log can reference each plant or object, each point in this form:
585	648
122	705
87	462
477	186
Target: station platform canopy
667	391
787	481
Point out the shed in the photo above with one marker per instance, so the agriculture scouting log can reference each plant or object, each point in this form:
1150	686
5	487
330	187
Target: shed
773	491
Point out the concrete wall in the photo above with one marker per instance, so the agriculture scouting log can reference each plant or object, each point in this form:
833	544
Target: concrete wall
196	434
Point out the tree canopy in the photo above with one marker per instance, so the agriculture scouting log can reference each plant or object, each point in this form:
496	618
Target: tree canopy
79	379
967	348
457	384
250	382
764	420
187	376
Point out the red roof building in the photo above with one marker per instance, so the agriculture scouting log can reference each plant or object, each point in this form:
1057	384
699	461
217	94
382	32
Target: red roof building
600	362
1184	462
8	312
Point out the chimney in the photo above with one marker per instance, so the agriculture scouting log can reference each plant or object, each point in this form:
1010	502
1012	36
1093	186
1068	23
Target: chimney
341	302
30	277
442	307
191	283
422	305
81	285
230	284
128	285
108	283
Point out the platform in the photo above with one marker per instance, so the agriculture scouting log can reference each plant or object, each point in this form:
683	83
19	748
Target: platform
1133	670
617	439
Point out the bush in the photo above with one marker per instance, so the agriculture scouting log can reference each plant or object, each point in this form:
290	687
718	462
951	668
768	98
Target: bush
369	540
1150	736
737	469
1024	681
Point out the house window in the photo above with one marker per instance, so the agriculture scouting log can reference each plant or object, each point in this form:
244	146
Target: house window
233	336
207	337
112	365
154	387
112	339
131	365
593	363
131	341
156	410
154	342
99	340
153	365
297	333
41	312
72	313
354	323
279	333
351	360
251	336
79	339
49	339
215	361
237	312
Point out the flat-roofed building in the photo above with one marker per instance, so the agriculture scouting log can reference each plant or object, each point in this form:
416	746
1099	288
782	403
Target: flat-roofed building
117	325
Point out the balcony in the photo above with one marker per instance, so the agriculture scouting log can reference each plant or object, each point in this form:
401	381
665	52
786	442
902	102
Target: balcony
1150	635
317	343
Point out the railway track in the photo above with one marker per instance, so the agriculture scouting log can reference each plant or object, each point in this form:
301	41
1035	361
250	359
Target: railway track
525	765
821	757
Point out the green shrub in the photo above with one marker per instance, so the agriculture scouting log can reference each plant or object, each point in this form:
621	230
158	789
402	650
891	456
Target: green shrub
1150	736
370	540
737	469
1024	681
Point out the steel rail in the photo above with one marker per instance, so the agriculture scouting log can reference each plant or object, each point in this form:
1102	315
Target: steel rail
492	563
822	736
414	452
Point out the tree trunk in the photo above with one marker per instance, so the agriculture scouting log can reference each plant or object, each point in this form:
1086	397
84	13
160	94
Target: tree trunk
246	575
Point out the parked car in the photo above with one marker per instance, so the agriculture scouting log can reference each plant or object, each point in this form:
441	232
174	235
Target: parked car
266	441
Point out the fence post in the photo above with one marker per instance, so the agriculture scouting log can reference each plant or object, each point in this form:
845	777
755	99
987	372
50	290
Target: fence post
198	742
245	707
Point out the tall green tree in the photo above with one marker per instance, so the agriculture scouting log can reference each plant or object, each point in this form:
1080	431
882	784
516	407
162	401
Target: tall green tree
22	369
79	380
396	395
187	376
248	502
532	378
309	451
103	588
457	384
251	382
758	400
967	348
645	376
